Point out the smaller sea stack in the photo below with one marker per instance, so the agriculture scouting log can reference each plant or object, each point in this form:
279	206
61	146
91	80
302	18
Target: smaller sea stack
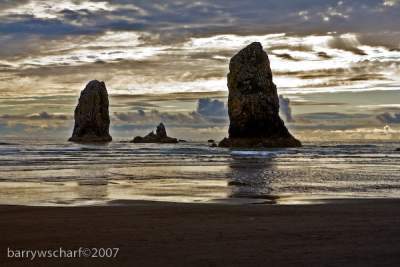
92	119
159	137
253	103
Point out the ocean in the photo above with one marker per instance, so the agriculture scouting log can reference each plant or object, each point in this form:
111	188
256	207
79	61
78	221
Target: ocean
67	174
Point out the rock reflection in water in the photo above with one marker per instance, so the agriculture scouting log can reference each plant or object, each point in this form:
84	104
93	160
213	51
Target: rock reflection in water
252	178
94	183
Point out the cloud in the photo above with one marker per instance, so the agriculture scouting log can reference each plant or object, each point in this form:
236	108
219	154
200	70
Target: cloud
286	56
137	63
70	11
390	3
154	116
133	115
153	54
339	10
389	118
285	109
46	116
346	43
209	113
324	55
39	116
211	108
79	16
333	116
364	133
200	17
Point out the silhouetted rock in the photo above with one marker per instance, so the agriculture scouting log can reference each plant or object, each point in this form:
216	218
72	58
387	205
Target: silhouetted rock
211	141
92	120
160	131
7	144
237	183
398	149
159	137
253	103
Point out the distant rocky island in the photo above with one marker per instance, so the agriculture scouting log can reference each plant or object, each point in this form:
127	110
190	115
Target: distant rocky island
253	103
92	119
159	137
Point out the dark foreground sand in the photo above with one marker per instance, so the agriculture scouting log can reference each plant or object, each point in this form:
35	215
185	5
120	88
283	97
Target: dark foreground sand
356	233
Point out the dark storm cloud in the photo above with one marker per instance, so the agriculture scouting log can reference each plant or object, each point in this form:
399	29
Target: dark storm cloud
27	24
118	15
184	17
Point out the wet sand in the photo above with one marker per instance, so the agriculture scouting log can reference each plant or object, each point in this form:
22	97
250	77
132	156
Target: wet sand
344	233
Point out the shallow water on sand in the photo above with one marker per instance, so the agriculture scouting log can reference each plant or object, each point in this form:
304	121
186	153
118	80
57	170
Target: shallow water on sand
54	173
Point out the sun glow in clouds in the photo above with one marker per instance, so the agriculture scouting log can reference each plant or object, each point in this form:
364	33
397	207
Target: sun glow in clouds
112	46
300	63
390	2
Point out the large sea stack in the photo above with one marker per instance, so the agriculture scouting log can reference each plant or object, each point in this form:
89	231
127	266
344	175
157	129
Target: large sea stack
92	120
159	137
253	103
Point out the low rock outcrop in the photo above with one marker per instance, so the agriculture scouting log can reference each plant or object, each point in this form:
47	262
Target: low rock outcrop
92	120
213	144
253	103
159	137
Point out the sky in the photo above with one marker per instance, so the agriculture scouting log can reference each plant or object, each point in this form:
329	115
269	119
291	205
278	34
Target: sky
336	64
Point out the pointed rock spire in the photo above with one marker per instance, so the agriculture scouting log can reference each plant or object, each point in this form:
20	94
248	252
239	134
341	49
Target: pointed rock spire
92	120
253	103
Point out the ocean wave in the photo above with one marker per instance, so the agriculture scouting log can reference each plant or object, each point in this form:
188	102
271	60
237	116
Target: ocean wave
262	154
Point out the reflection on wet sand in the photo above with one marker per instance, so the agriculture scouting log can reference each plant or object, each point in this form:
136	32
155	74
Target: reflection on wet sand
93	191
71	174
251	178
94	187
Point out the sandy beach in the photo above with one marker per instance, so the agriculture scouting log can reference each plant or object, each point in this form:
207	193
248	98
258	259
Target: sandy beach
343	233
